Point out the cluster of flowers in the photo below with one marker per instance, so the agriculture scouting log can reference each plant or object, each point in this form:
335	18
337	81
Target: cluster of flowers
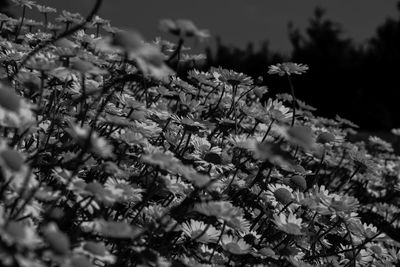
107	158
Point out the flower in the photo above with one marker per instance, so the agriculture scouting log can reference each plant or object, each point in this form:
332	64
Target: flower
97	145
20	233
235	245
287	68
225	211
96	250
26	3
342	205
231	77
58	241
68	17
288	223
200	232
99	21
380	144
279	193
183	28
396	131
45	9
276	111
346	122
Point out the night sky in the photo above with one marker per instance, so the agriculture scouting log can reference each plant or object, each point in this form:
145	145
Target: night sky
239	22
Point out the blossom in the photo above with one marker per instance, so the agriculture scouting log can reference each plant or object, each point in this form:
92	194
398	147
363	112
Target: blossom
235	245
380	144
395	131
96	250
25	3
289	224
183	28
231	77
287	68
276	111
96	144
68	17
279	194
45	9
225	211
200	232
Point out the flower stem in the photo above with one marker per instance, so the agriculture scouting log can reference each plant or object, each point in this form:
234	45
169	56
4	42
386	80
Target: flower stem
219	239
268	130
293	99
21	23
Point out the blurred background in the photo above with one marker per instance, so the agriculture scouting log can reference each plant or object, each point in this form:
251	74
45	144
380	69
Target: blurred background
351	46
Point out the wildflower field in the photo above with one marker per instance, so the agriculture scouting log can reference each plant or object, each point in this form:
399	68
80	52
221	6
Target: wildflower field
109	158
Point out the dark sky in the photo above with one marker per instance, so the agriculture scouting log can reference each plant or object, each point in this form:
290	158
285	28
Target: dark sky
239	21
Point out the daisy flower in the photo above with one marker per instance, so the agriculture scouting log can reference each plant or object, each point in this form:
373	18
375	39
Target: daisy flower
201	232
24	3
232	78
235	245
380	144
378	250
396	131
287	68
46	9
279	194
277	111
341	205
288	223
96	250
21	234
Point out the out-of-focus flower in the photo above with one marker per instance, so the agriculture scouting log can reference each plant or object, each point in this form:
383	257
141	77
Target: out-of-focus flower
396	131
26	3
235	245
68	17
183	28
96	144
380	144
46	9
287	68
96	250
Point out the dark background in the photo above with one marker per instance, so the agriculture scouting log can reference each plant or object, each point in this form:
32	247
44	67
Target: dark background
352	47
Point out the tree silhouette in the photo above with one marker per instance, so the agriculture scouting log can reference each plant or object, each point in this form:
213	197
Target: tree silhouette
358	82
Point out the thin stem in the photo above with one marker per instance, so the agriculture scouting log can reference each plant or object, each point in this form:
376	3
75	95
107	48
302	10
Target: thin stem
268	130
176	52
293	99
21	23
46	20
219	239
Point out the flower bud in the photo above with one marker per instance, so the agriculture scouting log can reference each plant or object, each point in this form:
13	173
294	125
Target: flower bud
283	195
325	137
298	182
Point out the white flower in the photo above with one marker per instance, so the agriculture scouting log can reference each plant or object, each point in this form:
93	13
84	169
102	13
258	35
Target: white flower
235	245
288	224
287	68
199	231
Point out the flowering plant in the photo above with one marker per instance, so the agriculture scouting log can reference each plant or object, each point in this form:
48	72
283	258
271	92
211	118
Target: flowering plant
109	158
